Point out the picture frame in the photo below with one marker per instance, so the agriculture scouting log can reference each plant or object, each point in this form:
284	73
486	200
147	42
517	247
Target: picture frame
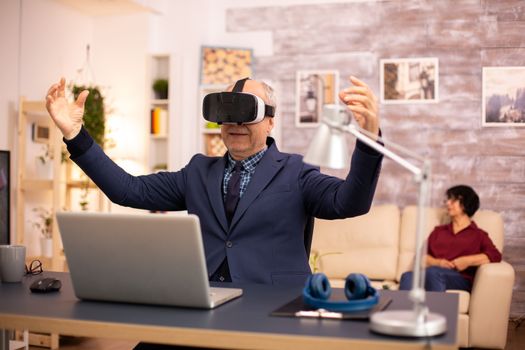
314	89
40	133
503	97
5	190
409	80
223	65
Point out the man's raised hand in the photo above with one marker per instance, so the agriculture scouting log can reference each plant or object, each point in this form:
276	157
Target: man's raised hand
67	116
360	99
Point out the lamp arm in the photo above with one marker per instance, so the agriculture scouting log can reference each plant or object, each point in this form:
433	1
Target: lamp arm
352	129
391	145
422	176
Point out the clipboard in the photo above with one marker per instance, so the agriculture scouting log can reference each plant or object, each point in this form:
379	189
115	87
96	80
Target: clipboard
297	308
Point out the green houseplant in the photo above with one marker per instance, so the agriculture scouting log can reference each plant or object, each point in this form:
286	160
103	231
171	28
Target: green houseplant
160	87
94	116
95	124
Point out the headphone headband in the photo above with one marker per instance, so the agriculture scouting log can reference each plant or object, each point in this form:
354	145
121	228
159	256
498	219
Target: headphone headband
361	295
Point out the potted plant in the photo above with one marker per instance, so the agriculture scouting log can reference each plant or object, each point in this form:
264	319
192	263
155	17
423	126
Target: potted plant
95	124
43	164
94	113
44	225
160	87
315	258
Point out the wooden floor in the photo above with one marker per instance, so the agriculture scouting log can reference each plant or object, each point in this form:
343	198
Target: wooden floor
515	341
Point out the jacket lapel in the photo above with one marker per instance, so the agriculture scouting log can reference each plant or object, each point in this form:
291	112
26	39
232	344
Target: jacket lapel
266	170
214	188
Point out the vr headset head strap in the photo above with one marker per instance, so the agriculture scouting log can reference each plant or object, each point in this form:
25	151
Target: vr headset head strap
239	85
269	110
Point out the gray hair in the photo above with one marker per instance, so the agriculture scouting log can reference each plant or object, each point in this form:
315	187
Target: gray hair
268	91
270	94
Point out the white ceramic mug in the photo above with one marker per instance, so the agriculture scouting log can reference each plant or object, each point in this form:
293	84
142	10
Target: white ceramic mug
12	263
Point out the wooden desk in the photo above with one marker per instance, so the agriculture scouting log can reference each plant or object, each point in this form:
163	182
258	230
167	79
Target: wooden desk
242	323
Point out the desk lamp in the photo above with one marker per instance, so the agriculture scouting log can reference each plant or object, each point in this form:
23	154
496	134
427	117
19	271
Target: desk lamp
329	149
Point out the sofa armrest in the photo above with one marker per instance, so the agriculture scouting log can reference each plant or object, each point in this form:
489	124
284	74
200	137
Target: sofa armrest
490	305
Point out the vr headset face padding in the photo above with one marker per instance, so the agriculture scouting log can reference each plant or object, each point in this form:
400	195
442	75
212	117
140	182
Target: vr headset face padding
359	292
234	108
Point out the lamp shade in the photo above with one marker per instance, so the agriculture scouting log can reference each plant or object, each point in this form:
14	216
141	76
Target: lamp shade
328	147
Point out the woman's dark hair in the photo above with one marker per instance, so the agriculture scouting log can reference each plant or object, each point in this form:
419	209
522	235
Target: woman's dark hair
466	196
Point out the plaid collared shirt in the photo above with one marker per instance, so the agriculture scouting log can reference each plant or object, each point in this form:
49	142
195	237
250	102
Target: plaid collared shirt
248	168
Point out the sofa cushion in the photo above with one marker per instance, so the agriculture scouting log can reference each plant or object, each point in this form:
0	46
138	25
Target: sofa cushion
377	284
491	222
407	234
367	244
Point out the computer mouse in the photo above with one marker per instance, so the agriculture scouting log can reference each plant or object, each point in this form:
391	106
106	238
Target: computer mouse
45	285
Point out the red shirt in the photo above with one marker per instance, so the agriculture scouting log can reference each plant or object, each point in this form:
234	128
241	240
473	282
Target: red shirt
444	244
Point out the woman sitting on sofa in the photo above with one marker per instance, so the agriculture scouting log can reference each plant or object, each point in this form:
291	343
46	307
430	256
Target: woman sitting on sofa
456	250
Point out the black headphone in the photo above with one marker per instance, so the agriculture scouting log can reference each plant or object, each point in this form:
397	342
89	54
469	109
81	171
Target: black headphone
360	294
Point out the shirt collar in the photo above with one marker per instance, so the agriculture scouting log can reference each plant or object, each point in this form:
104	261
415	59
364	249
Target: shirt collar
471	226
249	163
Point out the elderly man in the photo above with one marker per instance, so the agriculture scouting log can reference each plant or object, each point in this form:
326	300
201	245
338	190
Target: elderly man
257	234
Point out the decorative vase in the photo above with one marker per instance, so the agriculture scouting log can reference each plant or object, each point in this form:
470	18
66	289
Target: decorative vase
46	247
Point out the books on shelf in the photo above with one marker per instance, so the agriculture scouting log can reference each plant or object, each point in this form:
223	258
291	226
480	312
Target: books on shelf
159	121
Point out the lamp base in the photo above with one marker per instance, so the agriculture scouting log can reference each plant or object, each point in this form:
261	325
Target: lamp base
404	323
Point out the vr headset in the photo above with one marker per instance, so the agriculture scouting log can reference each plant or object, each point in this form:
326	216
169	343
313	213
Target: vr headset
235	107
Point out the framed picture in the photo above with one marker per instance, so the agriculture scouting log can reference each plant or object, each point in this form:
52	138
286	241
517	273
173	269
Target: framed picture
5	187
220	65
40	133
313	90
409	80
503	96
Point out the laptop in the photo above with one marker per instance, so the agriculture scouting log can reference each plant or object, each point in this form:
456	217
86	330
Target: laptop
139	258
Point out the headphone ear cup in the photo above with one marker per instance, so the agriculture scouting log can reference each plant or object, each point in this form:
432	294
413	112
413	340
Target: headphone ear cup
319	286
361	295
357	286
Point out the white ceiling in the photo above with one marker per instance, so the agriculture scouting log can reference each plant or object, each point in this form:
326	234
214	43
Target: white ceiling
108	7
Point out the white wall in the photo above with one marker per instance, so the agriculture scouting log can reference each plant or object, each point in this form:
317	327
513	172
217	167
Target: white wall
9	34
38	46
119	62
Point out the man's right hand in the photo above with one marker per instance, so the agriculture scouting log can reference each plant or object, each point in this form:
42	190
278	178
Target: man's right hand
67	116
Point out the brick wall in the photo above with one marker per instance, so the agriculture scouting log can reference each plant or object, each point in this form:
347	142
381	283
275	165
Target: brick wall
464	35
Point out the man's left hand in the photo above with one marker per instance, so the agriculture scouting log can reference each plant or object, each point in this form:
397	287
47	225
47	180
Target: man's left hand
363	103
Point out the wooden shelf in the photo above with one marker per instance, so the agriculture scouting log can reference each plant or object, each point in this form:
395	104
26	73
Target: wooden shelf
36	185
163	102
211	131
35	107
159	137
80	184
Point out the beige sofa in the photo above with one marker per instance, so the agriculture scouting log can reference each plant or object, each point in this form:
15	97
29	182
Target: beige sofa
381	245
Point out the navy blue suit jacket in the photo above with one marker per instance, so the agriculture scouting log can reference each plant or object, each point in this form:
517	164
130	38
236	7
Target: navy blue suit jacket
264	243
